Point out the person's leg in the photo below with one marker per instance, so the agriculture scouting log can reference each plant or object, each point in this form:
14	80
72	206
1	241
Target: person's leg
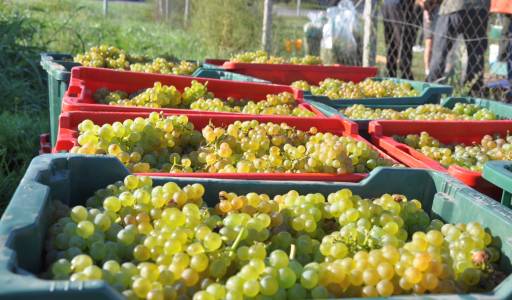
392	36
446	31
509	59
474	26
427	55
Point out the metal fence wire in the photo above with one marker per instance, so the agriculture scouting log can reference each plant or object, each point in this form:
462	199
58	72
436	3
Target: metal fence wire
432	40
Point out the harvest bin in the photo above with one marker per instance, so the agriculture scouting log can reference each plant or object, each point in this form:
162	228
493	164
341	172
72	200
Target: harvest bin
288	73
447	132
428	93
502	110
73	178
85	82
499	173
68	134
58	68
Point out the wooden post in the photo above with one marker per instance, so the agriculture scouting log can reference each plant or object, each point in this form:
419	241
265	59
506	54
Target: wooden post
166	10
367	32
161	8
187	9
105	7
298	8
266	37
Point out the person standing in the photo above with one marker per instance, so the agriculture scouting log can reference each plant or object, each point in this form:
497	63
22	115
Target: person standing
468	18
401	22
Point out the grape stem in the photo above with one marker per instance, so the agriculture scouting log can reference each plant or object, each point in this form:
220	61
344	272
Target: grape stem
292	251
237	240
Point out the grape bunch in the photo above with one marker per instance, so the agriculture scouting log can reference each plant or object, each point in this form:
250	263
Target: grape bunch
338	89
164	242
172	144
473	157
262	57
163	66
461	111
114	58
104	57
197	97
275	104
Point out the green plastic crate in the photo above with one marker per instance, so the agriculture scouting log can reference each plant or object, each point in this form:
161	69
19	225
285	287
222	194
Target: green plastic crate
58	67
428	93
502	110
73	178
499	173
217	73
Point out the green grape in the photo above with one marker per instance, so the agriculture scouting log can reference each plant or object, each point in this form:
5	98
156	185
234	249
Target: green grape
263	57
360	247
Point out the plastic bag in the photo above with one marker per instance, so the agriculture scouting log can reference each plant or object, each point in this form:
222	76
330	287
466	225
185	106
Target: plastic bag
313	32
339	35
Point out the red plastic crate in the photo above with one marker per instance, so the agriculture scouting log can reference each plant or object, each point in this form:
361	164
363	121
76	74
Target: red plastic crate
215	61
68	134
448	132
85	81
288	73
45	145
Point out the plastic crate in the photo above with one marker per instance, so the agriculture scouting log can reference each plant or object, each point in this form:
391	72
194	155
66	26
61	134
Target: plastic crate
58	68
429	93
225	75
214	62
45	145
85	81
448	132
499	173
288	73
502	110
333	110
68	138
73	178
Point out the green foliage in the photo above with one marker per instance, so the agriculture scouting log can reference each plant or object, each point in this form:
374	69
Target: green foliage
72	26
229	26
22	83
19	139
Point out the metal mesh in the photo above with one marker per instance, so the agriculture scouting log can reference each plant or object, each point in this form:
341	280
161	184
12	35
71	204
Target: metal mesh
448	45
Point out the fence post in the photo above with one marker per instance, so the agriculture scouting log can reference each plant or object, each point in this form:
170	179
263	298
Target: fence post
367	14
105	7
298	8
187	9
266	37
166	10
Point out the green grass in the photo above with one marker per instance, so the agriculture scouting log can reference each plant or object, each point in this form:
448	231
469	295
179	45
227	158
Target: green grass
74	26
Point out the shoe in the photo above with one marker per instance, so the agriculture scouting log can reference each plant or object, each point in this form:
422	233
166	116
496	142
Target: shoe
418	48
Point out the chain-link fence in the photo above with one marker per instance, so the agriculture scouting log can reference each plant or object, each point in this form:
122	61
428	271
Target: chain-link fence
441	41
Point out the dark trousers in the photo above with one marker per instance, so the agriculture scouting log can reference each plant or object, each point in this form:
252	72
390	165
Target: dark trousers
401	23
472	24
509	61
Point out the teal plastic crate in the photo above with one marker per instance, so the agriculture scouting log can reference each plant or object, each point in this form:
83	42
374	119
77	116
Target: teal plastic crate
502	110
217	73
58	68
73	178
428	93
499	173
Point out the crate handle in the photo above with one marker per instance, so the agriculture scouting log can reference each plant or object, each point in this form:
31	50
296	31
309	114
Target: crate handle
500	174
